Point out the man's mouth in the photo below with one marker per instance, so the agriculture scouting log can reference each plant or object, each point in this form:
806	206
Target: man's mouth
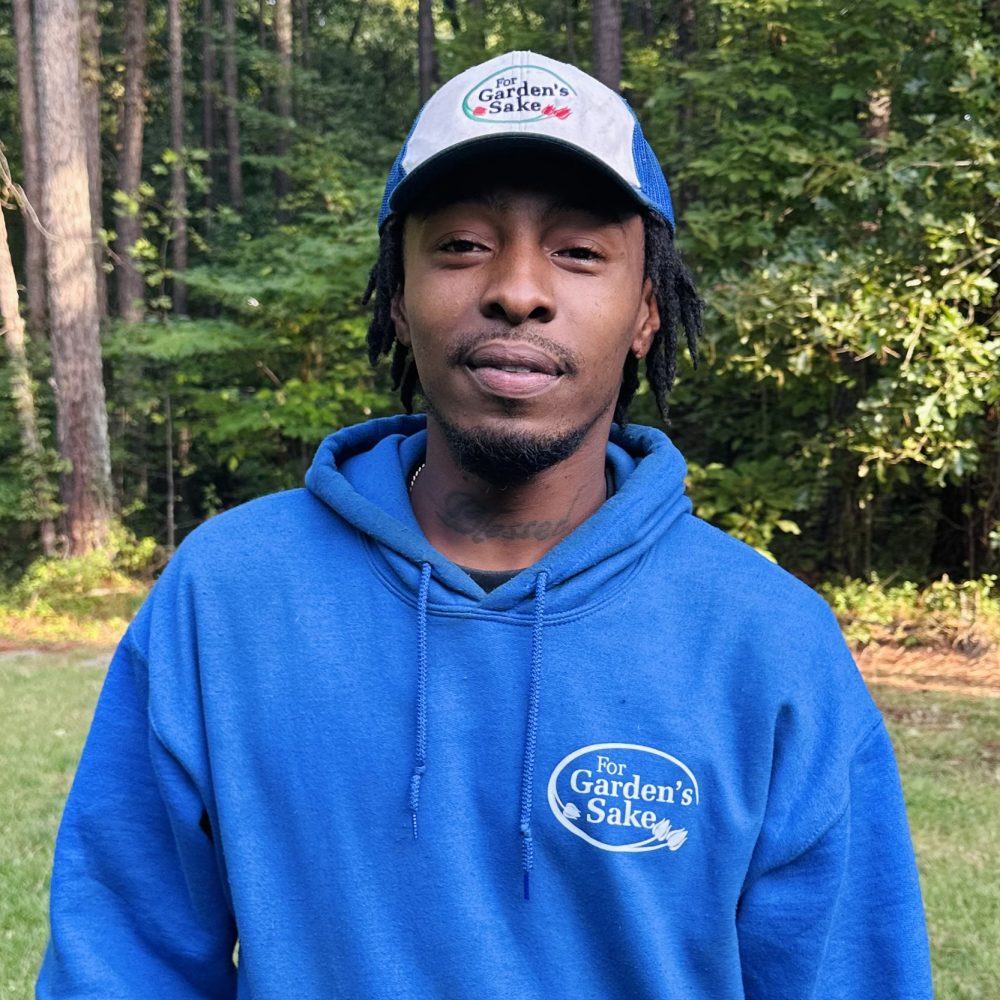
513	369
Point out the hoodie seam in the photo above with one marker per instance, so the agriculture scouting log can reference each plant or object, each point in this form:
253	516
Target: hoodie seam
521	617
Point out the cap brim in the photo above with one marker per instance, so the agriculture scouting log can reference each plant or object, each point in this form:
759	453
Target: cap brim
425	178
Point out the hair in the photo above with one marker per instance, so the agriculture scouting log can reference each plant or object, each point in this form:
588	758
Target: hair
677	299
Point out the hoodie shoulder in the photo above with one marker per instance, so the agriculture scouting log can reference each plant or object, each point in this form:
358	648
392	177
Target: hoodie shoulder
264	538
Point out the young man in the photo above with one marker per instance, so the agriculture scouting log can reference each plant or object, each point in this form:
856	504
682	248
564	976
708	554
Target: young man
484	711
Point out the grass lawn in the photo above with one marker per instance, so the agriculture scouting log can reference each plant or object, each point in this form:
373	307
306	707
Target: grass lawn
46	701
949	751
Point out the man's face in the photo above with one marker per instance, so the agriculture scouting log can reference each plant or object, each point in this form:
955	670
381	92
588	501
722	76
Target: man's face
520	304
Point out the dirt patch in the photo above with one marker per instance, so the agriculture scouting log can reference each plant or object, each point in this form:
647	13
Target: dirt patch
925	668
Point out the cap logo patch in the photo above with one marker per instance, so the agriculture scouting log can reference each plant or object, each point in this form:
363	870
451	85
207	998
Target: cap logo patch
625	797
520	94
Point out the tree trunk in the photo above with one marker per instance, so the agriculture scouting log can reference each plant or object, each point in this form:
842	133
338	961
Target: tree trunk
265	93
476	26
426	56
687	26
178	174
21	390
81	416
90	83
234	163
170	514
639	16
359	14
685	49
283	39
131	286
208	93
451	12
302	16
605	29
34	241
572	9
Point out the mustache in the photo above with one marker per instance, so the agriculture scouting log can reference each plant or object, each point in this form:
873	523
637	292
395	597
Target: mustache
569	360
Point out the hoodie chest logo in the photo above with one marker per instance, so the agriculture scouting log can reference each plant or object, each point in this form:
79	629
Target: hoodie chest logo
624	797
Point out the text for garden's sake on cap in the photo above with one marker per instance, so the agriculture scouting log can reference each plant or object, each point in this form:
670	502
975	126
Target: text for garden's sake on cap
525	94
520	94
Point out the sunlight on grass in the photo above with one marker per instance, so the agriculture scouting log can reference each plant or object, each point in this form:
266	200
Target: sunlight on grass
949	755
46	701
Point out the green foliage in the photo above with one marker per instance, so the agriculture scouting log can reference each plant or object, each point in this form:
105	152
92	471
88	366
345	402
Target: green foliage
100	584
850	273
750	500
846	416
962	615
28	493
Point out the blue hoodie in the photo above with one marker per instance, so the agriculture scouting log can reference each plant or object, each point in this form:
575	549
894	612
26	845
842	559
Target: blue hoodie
645	767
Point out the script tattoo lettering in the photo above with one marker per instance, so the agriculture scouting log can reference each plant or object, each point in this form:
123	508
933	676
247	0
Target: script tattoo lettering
466	516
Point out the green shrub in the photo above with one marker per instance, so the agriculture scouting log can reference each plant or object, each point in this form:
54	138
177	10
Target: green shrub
964	615
107	583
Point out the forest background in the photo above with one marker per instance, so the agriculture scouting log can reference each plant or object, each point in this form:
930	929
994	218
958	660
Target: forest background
190	217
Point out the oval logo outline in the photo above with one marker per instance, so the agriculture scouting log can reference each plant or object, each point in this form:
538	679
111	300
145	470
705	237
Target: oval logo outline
483	120
557	807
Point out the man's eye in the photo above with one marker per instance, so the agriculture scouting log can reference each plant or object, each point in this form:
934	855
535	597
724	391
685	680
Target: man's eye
581	253
459	246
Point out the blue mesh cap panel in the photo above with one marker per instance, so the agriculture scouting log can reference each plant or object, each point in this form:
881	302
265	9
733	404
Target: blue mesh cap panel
652	183
396	174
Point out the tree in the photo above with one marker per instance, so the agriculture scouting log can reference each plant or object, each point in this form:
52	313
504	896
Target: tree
426	55
131	286
283	100
21	390
234	165
605	26
687	24
82	422
27	95
208	91
90	36
178	168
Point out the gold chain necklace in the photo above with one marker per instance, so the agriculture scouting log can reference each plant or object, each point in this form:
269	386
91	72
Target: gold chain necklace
413	478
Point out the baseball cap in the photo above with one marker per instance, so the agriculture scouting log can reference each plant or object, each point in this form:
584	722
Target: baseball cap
526	101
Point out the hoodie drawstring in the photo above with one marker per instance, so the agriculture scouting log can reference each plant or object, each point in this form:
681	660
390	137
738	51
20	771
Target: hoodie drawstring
420	760
531	734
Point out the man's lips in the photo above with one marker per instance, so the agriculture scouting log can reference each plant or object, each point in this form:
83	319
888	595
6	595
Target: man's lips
513	368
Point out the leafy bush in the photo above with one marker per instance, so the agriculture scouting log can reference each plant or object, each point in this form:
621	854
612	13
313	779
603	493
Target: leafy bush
103	584
964	616
751	500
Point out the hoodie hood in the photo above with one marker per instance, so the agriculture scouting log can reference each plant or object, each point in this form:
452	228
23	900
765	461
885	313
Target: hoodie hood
361	473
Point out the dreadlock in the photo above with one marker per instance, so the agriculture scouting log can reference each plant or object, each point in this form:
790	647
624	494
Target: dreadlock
676	297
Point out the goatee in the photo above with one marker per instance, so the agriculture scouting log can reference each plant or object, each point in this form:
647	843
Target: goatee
507	457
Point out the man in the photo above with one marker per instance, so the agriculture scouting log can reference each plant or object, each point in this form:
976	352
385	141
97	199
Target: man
485	712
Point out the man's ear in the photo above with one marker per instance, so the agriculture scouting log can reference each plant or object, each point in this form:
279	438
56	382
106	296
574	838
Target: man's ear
397	310
647	321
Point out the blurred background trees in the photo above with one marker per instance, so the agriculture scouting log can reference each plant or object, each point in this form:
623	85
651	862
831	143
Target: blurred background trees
215	177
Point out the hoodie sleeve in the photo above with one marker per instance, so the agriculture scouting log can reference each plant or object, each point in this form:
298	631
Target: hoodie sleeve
138	907
841	917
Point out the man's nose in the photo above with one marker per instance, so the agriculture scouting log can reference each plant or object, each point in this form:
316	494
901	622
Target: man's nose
519	288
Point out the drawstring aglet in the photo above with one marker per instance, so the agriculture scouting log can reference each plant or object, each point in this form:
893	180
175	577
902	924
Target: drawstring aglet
528	848
418	773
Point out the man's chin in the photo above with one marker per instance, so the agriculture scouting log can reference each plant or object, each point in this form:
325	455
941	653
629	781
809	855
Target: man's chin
502	456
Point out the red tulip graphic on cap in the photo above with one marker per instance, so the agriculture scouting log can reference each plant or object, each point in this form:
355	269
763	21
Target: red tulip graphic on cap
479	110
